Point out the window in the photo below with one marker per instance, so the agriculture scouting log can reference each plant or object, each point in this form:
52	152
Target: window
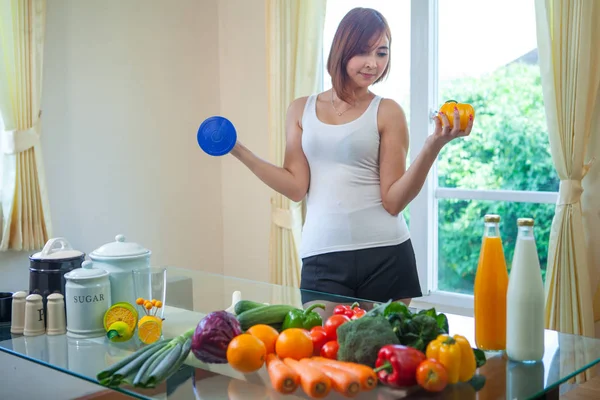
453	50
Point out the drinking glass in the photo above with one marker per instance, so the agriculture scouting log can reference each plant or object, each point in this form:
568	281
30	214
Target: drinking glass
150	284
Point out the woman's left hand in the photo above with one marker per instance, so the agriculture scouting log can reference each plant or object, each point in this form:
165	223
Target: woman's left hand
444	132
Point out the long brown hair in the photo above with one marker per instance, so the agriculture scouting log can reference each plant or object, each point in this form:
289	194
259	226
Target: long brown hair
355	35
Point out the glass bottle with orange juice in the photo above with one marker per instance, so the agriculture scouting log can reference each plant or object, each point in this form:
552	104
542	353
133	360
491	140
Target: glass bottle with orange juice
491	284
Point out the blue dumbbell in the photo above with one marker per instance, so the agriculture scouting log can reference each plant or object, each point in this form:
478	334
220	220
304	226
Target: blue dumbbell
216	136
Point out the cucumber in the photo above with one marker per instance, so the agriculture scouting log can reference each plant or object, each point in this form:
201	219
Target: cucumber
277	326
272	314
245	305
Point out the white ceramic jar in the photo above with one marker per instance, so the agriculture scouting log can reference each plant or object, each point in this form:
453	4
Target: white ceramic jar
88	296
119	259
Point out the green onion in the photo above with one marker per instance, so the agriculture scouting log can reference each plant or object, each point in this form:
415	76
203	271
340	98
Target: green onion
149	365
138	378
113	368
185	351
165	364
132	366
143	381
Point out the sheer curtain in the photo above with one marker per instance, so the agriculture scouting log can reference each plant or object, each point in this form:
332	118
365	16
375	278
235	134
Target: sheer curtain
294	48
569	41
26	212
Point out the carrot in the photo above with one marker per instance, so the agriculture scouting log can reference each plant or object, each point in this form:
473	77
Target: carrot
342	381
314	382
283	378
365	374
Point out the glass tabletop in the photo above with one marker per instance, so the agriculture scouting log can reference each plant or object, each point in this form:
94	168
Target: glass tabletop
193	294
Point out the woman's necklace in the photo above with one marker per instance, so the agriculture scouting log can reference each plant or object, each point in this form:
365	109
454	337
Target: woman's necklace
336	110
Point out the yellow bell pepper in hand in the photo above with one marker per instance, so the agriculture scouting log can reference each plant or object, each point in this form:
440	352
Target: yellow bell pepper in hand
456	355
465	111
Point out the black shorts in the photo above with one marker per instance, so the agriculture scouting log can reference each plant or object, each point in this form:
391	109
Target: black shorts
376	274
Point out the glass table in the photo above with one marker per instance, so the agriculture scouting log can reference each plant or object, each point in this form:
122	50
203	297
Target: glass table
193	294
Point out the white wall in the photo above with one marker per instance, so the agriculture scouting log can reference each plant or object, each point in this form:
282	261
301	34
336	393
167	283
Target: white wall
126	85
245	199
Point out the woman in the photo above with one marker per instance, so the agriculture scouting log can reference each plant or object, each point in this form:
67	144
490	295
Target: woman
346	151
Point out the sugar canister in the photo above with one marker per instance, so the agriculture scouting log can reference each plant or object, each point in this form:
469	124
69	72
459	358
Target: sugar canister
88	296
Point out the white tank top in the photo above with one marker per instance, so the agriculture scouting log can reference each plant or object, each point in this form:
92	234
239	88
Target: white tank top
344	206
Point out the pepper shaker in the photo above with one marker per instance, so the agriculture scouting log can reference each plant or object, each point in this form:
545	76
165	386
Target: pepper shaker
55	319
18	313
34	316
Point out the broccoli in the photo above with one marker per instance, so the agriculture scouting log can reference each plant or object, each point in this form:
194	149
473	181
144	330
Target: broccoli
361	339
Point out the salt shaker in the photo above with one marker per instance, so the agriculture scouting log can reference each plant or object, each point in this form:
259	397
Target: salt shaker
18	313
55	317
34	316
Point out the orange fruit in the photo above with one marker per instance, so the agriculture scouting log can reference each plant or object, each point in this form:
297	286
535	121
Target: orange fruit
121	311
149	329
246	353
267	334
294	343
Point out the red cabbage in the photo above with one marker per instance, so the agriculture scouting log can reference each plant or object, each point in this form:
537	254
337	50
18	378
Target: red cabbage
212	336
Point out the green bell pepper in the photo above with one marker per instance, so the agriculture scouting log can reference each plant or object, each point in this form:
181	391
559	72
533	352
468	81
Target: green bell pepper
303	319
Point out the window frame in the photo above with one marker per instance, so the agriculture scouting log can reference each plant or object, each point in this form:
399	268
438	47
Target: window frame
423	96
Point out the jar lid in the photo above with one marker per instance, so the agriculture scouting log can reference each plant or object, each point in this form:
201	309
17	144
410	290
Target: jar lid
87	271
120	248
57	249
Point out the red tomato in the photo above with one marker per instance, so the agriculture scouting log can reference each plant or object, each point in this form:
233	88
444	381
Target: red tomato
352	312
343	310
319	338
432	376
332	324
330	350
358	313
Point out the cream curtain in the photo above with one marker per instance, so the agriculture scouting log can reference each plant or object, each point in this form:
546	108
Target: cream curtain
25	210
590	203
568	35
294	62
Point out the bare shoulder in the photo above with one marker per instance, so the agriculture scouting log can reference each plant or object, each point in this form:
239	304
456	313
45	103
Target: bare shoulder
391	118
390	110
296	107
295	111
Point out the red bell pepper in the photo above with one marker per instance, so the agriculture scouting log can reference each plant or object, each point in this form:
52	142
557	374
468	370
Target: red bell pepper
352	312
397	365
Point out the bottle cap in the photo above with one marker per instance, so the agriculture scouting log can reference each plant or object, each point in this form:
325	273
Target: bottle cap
491	218
216	136
525	222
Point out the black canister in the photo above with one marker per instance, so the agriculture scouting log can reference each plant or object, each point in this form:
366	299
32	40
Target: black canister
47	268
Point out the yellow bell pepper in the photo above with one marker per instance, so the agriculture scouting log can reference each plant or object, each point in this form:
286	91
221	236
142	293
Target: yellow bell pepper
456	355
464	111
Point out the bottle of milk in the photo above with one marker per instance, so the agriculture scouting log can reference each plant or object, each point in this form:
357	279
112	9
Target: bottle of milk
525	299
